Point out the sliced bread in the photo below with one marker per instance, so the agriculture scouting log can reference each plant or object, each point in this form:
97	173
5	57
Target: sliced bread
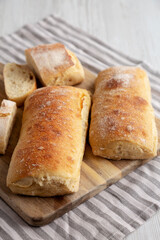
8	111
19	82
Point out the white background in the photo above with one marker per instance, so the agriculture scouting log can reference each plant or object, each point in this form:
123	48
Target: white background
133	26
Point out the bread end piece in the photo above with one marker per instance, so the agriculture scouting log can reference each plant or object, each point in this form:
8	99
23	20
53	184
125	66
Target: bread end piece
19	82
8	111
54	65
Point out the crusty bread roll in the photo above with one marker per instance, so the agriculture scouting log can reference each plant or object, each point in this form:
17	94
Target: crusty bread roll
47	158
8	112
122	118
53	64
19	82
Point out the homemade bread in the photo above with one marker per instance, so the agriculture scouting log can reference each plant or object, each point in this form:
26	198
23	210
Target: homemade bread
47	158
19	82
8	111
122	118
53	64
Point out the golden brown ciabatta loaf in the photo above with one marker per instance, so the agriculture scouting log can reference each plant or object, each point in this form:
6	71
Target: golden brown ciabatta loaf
53	64
122	118
47	158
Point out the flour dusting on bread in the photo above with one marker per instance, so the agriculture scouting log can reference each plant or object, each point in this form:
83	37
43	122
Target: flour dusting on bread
53	64
122	120
54	57
119	80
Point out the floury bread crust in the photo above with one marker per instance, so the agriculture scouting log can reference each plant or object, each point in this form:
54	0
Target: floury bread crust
122	118
53	64
47	158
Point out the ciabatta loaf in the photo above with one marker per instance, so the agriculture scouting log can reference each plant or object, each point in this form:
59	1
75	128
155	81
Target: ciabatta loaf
8	111
122	118
53	64
19	82
47	158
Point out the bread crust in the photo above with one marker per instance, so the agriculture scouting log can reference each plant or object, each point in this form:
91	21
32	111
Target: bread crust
47	158
55	65
122	118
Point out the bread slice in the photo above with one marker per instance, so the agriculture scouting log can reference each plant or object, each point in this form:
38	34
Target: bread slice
53	64
19	82
8	111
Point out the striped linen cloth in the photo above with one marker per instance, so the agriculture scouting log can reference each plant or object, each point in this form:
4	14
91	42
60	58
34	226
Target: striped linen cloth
124	206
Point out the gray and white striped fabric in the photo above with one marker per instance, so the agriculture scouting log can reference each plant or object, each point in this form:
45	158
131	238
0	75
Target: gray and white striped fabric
124	206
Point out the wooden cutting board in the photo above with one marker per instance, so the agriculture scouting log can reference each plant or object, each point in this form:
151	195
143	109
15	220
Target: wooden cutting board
96	174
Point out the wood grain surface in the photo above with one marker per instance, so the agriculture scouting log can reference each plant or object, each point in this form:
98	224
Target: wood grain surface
96	174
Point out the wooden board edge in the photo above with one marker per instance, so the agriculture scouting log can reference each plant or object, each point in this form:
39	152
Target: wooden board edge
40	221
43	220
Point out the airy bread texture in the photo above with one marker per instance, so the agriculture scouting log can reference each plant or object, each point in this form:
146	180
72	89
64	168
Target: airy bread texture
122	118
53	64
8	111
48	156
19	82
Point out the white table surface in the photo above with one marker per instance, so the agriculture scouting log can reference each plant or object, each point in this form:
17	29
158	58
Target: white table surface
130	25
